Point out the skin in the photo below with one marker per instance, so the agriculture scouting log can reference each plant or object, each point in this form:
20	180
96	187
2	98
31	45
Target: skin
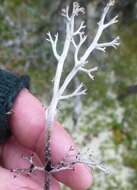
28	128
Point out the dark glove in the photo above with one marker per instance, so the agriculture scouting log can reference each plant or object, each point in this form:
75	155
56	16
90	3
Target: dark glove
10	86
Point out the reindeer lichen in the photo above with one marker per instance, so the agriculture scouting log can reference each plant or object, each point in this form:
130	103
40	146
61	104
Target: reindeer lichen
76	38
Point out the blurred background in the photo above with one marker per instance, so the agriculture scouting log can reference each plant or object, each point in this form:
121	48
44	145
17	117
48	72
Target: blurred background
105	120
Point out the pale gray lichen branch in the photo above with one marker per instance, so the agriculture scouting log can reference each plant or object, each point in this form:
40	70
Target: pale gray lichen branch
79	62
114	43
59	86
54	44
89	71
79	91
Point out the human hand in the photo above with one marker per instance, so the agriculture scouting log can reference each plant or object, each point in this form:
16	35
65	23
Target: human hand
28	128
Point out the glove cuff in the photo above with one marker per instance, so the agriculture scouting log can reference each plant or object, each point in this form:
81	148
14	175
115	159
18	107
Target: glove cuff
10	86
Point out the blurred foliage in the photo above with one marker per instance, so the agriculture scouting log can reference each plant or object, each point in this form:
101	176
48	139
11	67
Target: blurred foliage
24	50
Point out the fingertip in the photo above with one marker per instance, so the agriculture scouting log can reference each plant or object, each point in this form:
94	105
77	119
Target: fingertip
61	142
78	179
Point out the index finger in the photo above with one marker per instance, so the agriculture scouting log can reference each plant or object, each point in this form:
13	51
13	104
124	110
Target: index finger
27	120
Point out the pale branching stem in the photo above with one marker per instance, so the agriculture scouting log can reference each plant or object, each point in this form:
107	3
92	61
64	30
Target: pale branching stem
57	92
65	13
69	33
51	112
89	71
79	63
68	79
61	61
79	91
101	27
74	43
81	27
102	46
94	45
112	21
60	87
77	47
53	44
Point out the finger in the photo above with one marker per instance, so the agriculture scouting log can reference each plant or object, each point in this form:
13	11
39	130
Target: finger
28	126
76	179
27	119
8	182
12	159
60	146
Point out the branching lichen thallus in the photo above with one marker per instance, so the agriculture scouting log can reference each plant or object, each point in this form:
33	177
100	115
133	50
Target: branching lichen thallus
59	88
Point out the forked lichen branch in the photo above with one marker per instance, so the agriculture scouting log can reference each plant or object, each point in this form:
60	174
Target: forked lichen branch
60	87
79	62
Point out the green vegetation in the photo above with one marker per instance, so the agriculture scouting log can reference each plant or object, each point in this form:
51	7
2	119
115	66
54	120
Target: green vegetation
113	121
